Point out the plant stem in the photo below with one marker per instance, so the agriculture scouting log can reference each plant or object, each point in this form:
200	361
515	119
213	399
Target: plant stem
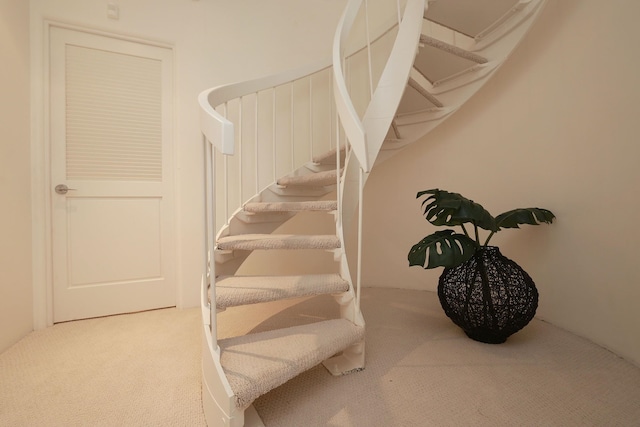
486	242
465	230
475	229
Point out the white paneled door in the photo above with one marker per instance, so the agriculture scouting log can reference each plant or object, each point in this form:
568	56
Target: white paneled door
111	175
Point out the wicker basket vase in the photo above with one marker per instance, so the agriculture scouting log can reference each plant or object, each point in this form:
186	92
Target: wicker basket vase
489	296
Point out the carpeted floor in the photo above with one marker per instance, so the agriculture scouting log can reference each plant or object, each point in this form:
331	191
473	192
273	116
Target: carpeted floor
143	369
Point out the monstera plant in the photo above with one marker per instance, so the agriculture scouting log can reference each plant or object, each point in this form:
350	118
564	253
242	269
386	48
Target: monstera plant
488	295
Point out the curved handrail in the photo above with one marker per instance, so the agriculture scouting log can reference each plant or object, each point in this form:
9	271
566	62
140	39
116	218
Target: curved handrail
354	130
366	135
386	99
219	130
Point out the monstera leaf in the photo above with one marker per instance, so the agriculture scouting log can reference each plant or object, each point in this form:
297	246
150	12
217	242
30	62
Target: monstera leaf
451	209
443	248
515	217
447	249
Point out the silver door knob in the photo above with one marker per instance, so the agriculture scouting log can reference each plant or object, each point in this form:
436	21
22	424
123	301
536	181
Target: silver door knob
63	189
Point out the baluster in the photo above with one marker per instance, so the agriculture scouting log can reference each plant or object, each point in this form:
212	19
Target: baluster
210	219
332	120
366	17
338	130
274	140
257	106
293	157
310	117
226	176
240	169
359	267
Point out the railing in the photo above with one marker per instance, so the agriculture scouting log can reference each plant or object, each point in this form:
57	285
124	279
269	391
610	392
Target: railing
274	125
256	132
271	126
368	85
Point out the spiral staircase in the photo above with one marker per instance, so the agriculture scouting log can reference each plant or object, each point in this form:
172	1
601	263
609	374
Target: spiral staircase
301	144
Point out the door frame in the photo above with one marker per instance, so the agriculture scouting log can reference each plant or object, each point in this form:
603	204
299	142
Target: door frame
41	238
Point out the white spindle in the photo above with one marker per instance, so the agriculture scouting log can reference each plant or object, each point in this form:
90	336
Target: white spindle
338	167
275	151
211	246
210	227
293	157
240	147
226	177
332	116
257	146
359	268
366	17
310	117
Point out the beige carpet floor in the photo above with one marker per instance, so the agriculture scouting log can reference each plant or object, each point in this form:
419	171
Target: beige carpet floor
143	369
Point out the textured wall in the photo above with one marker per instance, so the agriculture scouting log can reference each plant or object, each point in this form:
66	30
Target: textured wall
16	312
556	127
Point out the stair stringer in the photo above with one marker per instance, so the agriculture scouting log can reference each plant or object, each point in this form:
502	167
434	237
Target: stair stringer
218	398
219	401
388	93
496	45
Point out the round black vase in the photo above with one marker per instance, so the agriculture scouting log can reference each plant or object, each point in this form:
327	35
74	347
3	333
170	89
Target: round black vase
489	296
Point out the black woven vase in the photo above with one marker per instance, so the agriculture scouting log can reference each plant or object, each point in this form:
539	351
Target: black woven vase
489	296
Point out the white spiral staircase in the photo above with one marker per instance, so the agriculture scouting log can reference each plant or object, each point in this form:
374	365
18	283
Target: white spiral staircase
301	144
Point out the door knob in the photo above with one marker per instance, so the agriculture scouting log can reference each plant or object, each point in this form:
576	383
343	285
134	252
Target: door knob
63	189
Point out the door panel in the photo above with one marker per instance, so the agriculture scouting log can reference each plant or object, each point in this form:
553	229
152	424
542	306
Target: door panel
111	145
113	240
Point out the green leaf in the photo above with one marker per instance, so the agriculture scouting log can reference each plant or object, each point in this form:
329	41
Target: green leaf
515	217
452	209
443	248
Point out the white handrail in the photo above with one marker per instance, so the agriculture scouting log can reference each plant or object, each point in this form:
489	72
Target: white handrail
217	128
349	119
365	136
384	104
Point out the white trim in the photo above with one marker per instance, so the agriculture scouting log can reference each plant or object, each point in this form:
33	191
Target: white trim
42	271
41	206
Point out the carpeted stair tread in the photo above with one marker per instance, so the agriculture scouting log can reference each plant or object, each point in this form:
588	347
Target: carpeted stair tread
250	242
446	47
240	290
316	179
327	158
309	205
257	363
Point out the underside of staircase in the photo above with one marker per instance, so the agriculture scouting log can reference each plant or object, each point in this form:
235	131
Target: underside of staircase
456	45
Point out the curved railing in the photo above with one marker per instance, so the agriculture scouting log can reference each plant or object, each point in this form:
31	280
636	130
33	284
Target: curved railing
254	132
387	72
366	115
258	131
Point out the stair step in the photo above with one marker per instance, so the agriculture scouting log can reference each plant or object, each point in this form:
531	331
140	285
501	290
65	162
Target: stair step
317	179
422	91
328	158
454	50
250	242
312	205
257	363
233	291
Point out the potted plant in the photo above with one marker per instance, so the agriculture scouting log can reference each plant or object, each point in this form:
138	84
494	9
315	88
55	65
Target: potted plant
488	295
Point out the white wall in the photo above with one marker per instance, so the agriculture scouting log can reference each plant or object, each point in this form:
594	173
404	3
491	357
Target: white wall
215	42
557	128
16	313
